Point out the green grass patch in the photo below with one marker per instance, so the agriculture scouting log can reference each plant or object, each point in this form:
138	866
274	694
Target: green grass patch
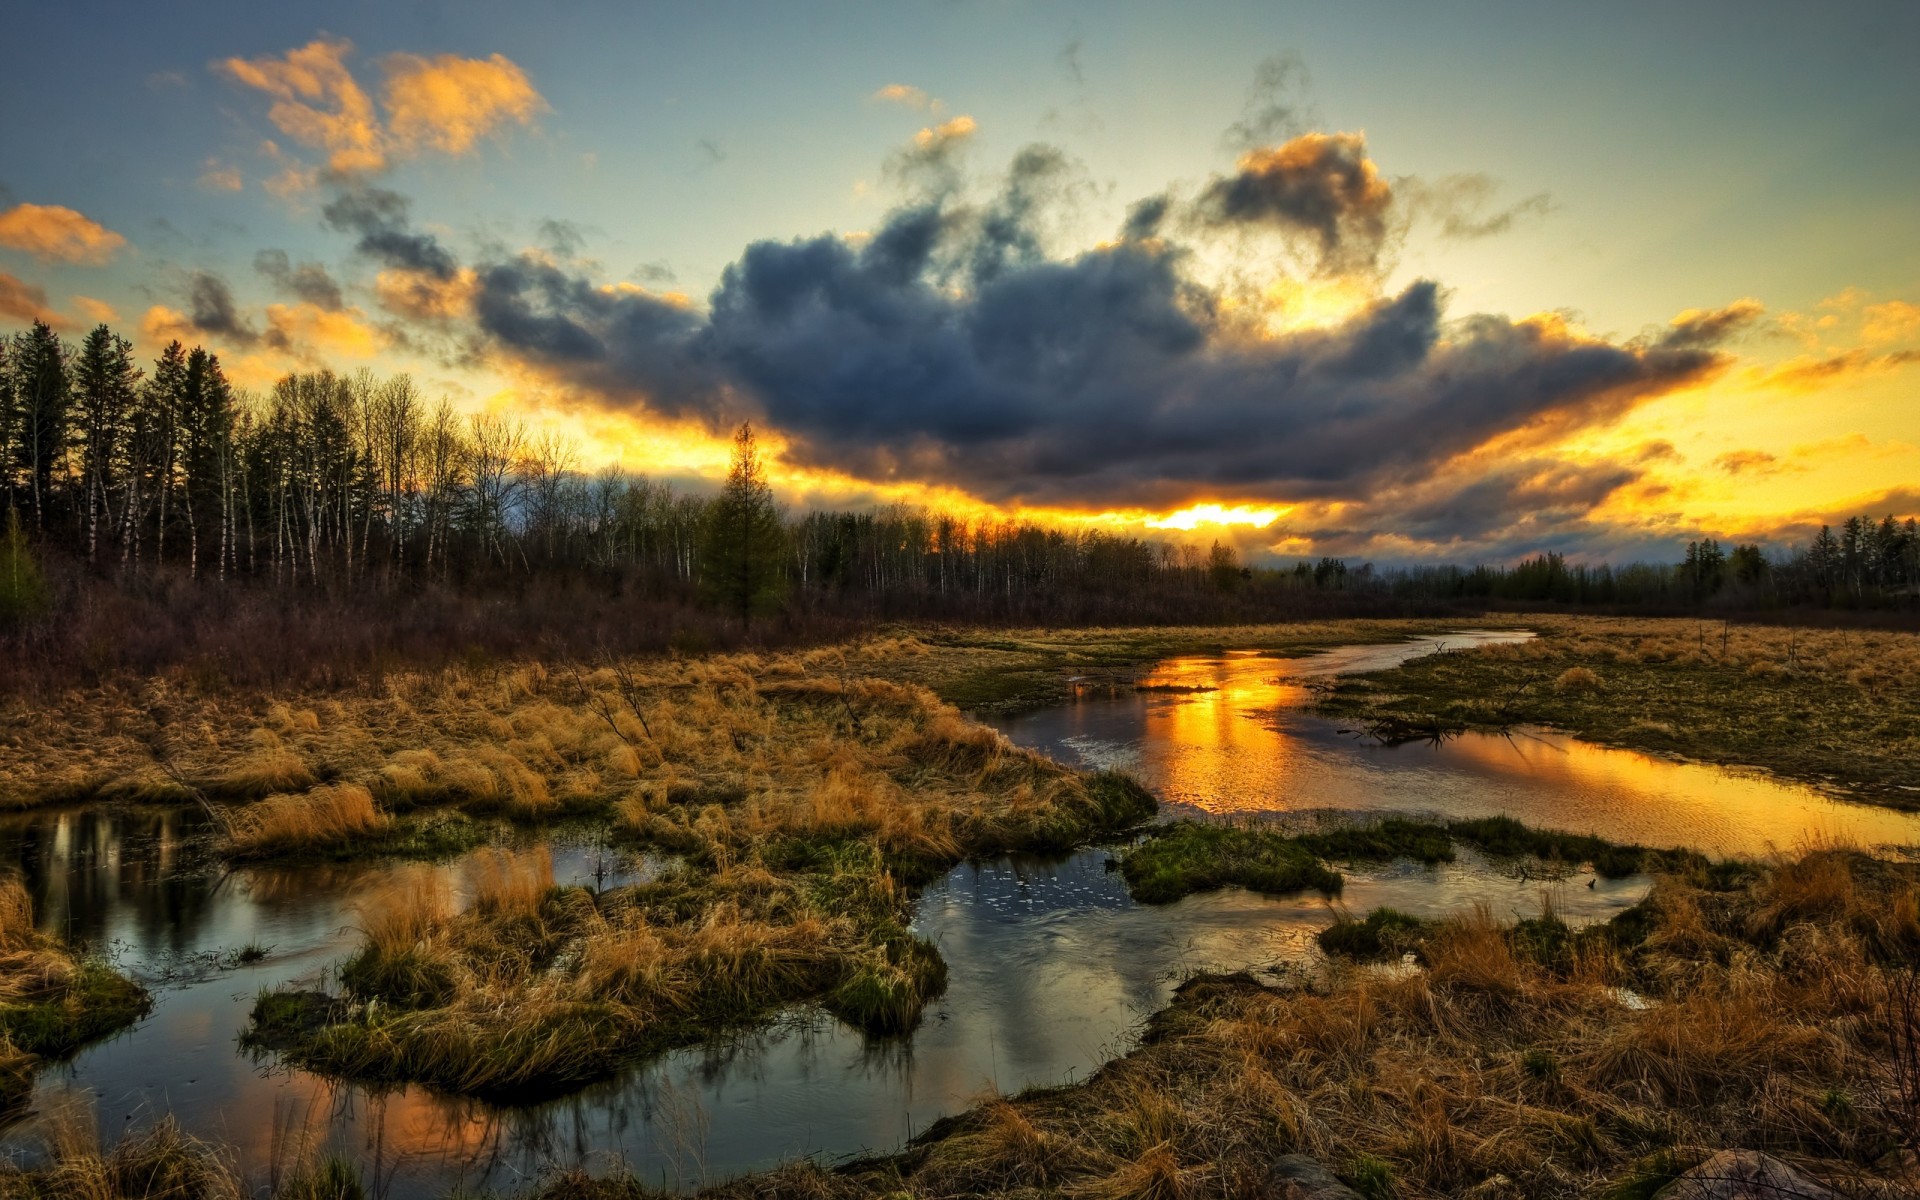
1186	857
96	1001
1384	933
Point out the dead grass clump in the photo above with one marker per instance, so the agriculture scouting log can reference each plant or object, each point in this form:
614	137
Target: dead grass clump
160	1162
269	767
325	816
1577	679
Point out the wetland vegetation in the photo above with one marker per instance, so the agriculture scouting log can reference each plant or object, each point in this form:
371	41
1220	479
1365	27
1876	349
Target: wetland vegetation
796	802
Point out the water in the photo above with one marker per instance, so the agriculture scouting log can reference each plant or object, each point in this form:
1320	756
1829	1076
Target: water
1245	744
1052	967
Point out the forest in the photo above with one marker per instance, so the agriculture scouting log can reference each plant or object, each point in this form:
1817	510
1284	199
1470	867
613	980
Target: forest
155	512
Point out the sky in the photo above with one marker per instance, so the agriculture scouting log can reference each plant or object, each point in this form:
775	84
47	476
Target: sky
1405	282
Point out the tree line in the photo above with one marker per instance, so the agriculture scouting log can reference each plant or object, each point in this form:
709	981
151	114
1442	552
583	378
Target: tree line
330	481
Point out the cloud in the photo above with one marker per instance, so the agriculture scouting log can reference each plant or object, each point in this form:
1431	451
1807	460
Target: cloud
425	296
906	96
1750	462
380	218
26	302
95	310
1107	378
445	103
52	233
1320	185
1464	205
1893	321
1700	328
449	103
309	281
1813	374
211	314
1276	108
320	334
216	176
317	102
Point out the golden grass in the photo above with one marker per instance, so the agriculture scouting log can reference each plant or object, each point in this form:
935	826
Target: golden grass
1495	1071
535	740
1822	705
329	815
160	1162
804	810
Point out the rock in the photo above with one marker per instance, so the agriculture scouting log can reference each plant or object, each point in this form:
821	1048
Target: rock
1301	1178
1744	1175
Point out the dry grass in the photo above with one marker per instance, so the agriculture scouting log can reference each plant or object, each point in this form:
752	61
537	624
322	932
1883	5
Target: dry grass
1820	705
805	810
530	740
1495	1072
51	1000
329	815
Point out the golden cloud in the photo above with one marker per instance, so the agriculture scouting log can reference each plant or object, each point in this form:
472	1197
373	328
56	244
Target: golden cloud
314	332
906	95
958	129
423	296
160	324
95	310
24	301
1893	321
1808	373
318	103
444	103
448	103
52	233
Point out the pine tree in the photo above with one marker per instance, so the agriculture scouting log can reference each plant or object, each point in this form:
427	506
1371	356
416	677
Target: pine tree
42	395
742	551
104	385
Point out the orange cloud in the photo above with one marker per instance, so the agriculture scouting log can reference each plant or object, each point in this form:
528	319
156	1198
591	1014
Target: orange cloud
1810	374
161	324
448	103
906	95
52	233
947	132
423	296
25	302
311	331
95	310
444	103
318	103
1894	321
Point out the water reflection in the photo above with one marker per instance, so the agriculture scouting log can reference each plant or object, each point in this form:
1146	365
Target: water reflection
1244	743
1052	967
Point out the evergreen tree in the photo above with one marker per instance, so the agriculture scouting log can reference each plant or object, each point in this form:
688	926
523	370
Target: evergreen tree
742	551
42	394
105	380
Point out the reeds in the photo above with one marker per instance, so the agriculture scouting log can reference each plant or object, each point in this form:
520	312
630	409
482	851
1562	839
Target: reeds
325	816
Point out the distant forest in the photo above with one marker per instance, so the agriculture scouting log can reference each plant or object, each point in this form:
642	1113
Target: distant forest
156	506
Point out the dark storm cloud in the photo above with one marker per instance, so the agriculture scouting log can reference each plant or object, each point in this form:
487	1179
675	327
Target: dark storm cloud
379	219
1320	185
211	310
308	281
614	340
1107	378
951	347
1526	495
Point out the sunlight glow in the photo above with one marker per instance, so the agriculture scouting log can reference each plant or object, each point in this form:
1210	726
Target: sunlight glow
1187	519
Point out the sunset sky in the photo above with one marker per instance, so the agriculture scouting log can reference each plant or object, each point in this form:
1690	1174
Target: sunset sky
1403	282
